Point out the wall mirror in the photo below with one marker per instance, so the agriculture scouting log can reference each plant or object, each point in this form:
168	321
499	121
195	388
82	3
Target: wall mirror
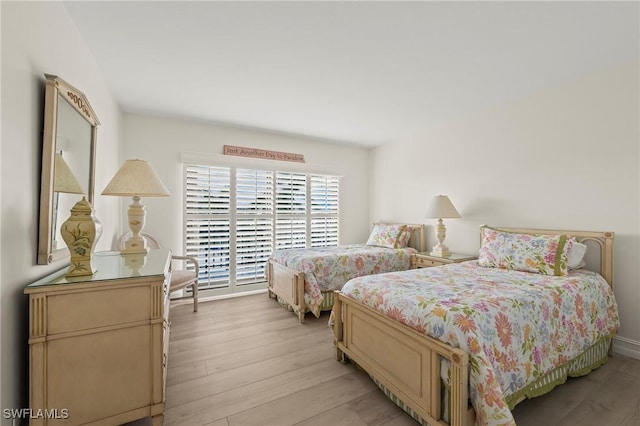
68	162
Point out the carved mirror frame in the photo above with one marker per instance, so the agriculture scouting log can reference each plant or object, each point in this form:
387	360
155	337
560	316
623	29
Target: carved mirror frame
56	92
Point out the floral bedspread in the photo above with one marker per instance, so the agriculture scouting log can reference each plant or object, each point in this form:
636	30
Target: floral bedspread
328	268
516	326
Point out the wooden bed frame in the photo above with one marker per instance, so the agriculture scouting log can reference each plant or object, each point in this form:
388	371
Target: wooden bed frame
288	284
407	362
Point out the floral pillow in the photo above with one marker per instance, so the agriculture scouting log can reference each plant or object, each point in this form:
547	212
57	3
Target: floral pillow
390	236
540	254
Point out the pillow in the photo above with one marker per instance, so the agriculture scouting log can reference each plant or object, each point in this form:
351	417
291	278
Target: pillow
540	254
390	236
575	255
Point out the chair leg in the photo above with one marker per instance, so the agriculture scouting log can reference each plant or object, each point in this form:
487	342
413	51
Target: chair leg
195	297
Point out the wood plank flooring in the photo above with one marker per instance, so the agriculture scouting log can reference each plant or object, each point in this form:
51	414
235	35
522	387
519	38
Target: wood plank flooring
247	361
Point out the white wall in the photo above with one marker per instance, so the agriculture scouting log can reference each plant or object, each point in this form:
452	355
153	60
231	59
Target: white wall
161	141
38	38
564	158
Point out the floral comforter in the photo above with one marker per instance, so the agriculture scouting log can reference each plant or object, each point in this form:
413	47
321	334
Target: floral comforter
516	326
328	268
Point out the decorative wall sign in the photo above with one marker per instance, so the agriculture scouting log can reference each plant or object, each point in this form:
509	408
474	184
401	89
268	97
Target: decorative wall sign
262	153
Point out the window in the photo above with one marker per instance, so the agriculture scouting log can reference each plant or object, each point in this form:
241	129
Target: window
235	218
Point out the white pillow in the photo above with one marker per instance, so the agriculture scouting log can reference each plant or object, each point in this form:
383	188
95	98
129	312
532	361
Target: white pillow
575	255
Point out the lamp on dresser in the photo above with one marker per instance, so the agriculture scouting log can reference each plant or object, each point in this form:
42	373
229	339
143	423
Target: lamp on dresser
440	207
137	179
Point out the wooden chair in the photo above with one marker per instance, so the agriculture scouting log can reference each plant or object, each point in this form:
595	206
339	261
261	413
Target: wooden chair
181	278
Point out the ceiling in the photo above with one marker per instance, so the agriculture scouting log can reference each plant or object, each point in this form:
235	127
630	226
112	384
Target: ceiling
358	72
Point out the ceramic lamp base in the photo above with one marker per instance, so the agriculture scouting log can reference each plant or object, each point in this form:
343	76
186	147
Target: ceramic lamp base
440	251
137	214
135	245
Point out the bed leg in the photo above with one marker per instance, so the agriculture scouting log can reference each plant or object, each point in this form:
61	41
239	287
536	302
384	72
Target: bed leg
336	316
340	356
299	288
610	351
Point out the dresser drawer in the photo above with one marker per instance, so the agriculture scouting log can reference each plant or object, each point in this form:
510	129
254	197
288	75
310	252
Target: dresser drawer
100	308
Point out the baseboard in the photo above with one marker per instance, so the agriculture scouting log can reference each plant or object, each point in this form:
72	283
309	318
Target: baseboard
626	347
232	295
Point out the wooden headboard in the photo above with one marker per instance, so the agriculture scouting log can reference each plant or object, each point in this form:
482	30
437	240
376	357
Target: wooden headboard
417	240
604	240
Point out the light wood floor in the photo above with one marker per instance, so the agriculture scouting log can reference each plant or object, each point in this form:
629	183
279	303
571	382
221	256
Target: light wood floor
247	361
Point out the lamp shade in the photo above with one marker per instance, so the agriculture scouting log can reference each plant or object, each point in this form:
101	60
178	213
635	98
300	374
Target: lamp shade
63	178
440	207
136	178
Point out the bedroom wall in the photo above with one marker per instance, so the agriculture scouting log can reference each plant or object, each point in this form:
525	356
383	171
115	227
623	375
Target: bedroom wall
162	141
38	38
564	158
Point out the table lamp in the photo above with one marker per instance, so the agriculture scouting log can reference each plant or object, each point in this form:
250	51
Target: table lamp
137	179
440	208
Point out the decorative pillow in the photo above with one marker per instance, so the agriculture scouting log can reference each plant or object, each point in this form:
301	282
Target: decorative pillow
405	236
540	254
390	236
575	255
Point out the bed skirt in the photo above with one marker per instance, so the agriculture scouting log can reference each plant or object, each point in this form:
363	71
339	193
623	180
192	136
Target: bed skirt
327	301
589	360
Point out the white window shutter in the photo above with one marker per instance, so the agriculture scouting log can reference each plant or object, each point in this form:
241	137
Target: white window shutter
235	218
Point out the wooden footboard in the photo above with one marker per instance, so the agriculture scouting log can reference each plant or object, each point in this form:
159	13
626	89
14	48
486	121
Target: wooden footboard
403	360
288	284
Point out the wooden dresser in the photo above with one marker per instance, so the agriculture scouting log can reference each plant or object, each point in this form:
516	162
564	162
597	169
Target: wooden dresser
98	344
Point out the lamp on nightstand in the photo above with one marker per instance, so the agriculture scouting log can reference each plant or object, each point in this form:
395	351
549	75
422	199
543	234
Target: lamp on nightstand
440	208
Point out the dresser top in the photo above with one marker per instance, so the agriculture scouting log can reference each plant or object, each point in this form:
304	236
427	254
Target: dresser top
112	266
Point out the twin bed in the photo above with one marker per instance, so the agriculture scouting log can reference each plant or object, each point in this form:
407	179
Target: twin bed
464	343
304	280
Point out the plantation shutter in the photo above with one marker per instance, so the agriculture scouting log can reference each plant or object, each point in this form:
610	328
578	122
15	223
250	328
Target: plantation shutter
291	210
325	194
236	217
207	222
254	219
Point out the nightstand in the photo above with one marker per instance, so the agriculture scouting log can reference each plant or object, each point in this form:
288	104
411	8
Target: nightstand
426	260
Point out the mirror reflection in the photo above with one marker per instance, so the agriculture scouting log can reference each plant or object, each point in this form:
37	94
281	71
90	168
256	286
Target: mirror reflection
67	163
71	168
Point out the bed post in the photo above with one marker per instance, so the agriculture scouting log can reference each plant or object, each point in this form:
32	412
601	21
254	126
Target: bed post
606	267
302	307
459	389
337	325
606	264
269	274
